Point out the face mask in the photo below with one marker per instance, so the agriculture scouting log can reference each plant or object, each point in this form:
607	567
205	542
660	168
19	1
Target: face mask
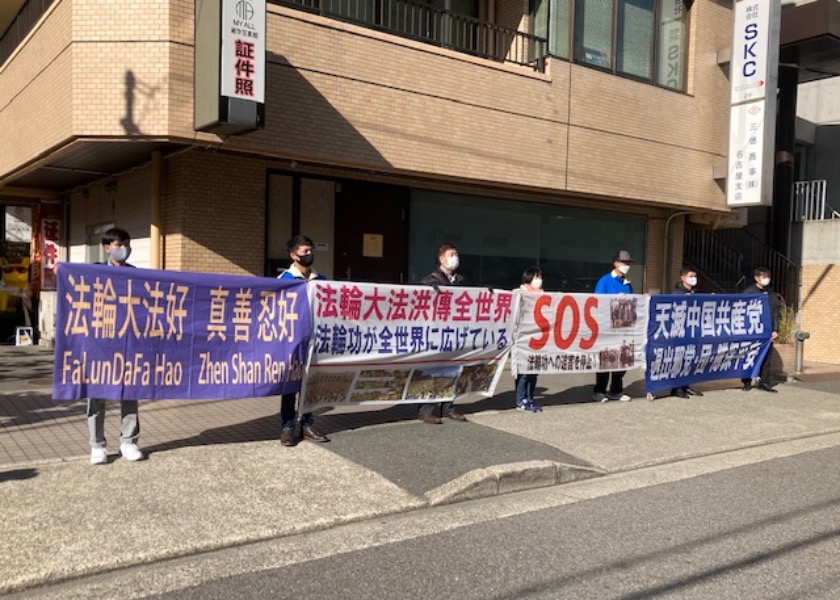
537	283
692	281
452	263
306	260
764	281
120	254
624	269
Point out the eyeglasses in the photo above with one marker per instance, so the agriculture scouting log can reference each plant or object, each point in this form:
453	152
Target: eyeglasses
14	269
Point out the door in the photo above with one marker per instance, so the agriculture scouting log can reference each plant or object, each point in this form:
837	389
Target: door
371	232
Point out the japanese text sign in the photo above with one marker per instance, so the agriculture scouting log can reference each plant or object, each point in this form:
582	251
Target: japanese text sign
376	343
573	333
125	333
704	336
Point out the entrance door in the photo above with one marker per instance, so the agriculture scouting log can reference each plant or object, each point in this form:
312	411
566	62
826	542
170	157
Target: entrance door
371	232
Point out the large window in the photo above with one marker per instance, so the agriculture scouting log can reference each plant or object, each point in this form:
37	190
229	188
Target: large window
644	39
498	239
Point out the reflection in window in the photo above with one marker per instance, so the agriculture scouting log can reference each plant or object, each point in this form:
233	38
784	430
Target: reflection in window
497	239
635	38
593	32
672	38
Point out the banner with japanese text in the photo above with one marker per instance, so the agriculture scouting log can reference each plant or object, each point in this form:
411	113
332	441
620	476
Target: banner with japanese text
135	334
699	337
385	344
575	333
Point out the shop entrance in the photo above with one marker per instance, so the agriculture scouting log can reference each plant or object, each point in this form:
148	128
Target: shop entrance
371	232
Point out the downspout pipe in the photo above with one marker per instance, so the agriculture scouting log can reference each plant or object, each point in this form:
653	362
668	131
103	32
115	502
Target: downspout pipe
666	250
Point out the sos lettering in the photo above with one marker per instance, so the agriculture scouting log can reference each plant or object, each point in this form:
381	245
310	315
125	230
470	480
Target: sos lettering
569	323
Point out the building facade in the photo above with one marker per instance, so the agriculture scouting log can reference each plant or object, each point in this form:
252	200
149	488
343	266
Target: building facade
571	132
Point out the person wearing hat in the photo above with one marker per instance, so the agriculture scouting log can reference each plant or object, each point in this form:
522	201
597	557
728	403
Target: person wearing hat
614	282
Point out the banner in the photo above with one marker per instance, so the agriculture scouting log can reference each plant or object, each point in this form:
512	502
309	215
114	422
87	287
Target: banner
125	333
384	344
574	333
699	337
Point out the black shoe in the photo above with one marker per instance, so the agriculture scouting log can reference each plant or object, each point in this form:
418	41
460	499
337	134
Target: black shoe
429	419
766	387
455	416
747	387
691	392
287	436
681	393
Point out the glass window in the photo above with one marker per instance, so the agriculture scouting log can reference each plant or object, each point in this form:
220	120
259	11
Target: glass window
672	44
560	28
498	239
634	48
594	32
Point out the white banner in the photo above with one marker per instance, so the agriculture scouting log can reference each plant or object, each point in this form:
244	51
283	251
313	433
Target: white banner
385	344
574	333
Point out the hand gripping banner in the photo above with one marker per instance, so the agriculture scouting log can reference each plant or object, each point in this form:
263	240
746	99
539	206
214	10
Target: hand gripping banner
385	344
133	334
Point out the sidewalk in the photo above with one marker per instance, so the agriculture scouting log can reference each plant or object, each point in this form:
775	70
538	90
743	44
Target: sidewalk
217	476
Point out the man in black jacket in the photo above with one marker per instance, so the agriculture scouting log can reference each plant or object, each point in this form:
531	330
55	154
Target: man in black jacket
762	286
445	274
686	285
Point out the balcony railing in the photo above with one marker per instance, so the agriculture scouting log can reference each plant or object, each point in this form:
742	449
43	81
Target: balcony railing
809	202
419	21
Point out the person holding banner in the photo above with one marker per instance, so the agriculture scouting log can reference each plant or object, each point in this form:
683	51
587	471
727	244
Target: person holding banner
614	282
686	285
761	275
445	274
532	283
300	251
116	243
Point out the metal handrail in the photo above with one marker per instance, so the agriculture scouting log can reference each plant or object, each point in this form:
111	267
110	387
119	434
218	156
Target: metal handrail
720	264
422	22
809	202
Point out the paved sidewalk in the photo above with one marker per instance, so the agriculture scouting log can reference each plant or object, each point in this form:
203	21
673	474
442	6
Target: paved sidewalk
217	476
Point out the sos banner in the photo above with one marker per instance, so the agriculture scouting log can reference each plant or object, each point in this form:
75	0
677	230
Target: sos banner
574	333
134	334
385	344
704	336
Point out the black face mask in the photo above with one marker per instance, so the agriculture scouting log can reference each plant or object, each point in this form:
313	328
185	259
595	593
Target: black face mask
306	260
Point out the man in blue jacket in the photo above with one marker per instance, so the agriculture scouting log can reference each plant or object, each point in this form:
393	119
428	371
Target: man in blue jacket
614	282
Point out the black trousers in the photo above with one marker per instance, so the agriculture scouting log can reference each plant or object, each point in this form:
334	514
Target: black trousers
616	386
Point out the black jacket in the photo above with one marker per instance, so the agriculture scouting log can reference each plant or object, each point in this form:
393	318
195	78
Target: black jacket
680	289
438	277
774	300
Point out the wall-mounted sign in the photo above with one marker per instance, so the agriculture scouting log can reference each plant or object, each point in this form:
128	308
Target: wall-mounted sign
752	115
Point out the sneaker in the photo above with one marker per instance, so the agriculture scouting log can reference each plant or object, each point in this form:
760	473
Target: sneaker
599	397
131	452
620	397
98	456
529	407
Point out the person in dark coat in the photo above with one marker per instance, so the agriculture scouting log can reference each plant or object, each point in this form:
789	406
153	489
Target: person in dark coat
762	277
686	285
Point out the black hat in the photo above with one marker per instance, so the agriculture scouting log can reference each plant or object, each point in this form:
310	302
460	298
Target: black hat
622	256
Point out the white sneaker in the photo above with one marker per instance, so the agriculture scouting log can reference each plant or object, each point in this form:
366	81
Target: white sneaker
98	456
599	397
620	397
131	452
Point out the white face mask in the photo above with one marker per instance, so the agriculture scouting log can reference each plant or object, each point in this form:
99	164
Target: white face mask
452	263
764	281
624	269
692	281
120	254
537	282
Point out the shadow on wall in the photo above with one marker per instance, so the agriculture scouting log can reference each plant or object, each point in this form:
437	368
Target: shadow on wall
131	88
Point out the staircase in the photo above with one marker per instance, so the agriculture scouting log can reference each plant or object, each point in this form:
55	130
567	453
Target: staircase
725	259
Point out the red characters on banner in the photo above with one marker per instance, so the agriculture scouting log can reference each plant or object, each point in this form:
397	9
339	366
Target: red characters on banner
567	308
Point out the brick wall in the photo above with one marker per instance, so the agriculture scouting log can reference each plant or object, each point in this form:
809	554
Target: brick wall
820	290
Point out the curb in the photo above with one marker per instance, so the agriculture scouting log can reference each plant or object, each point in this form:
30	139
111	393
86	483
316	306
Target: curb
507	478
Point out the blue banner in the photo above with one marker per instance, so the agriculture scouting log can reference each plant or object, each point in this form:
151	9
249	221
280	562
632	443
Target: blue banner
698	337
134	334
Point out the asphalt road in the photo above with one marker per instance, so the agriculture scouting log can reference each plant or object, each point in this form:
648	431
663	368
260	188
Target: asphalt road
767	530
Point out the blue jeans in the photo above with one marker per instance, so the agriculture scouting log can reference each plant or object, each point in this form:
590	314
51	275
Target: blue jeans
525	386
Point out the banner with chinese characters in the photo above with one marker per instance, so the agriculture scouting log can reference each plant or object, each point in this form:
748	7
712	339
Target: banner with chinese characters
699	337
125	333
384	344
574	333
